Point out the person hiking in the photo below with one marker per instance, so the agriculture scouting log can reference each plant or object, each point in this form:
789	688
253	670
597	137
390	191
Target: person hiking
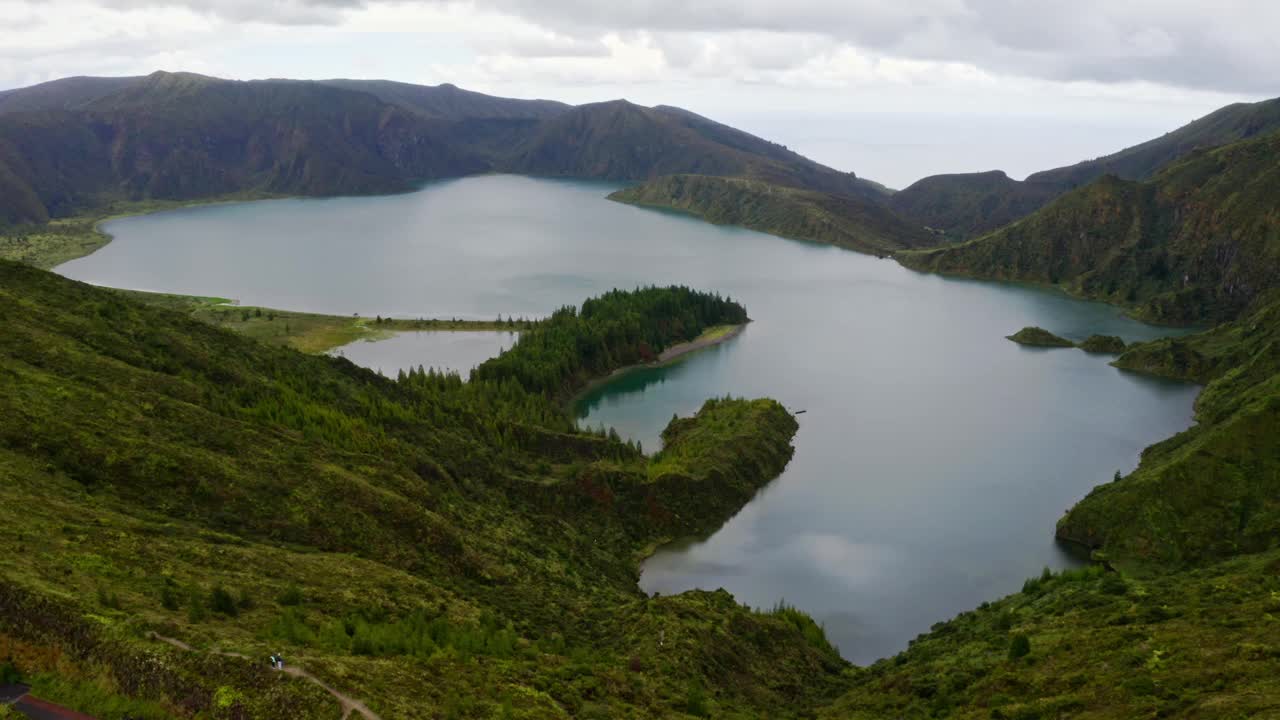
275	663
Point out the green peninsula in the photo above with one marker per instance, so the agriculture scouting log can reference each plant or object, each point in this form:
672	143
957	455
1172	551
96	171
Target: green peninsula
845	220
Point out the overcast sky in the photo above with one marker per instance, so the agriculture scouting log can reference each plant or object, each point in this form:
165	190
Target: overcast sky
891	89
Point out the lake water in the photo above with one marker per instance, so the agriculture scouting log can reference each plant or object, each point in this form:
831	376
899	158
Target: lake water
443	350
932	460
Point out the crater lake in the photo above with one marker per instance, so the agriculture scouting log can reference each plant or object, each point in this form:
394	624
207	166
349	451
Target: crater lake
933	456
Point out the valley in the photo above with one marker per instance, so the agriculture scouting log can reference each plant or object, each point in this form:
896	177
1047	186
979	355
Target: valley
521	530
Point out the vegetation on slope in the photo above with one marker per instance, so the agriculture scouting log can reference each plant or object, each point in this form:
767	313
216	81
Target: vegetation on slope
1094	644
850	222
621	141
1198	242
968	205
433	547
1213	491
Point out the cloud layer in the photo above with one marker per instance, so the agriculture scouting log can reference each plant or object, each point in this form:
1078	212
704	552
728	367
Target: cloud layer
1227	46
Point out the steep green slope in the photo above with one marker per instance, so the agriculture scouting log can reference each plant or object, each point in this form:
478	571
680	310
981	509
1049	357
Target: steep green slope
430	546
846	221
1213	491
971	204
1094	644
968	205
1198	242
621	141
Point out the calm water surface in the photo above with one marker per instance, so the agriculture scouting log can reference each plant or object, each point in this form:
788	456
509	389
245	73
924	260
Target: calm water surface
443	350
934	456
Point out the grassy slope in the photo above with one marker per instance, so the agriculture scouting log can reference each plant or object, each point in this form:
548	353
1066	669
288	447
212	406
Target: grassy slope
1197	644
1198	242
849	222
149	458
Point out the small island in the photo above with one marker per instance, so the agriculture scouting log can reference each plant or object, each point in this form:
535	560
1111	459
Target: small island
1039	337
1107	344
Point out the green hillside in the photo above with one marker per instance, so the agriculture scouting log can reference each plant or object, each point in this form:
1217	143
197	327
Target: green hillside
1093	644
846	221
1198	242
619	140
968	205
971	204
1213	491
430	546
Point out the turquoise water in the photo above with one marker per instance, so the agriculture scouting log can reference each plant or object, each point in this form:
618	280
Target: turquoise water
932	460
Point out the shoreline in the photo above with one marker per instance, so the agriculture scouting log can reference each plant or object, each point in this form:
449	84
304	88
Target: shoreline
666	357
311	333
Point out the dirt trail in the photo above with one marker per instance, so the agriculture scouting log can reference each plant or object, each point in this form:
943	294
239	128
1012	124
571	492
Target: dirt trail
348	703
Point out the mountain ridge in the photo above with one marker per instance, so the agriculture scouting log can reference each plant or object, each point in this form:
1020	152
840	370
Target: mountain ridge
182	136
966	205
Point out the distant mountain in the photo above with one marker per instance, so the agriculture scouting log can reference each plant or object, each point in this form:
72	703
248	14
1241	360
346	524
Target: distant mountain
1199	241
71	93
449	102
849	221
179	136
968	205
618	140
71	145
